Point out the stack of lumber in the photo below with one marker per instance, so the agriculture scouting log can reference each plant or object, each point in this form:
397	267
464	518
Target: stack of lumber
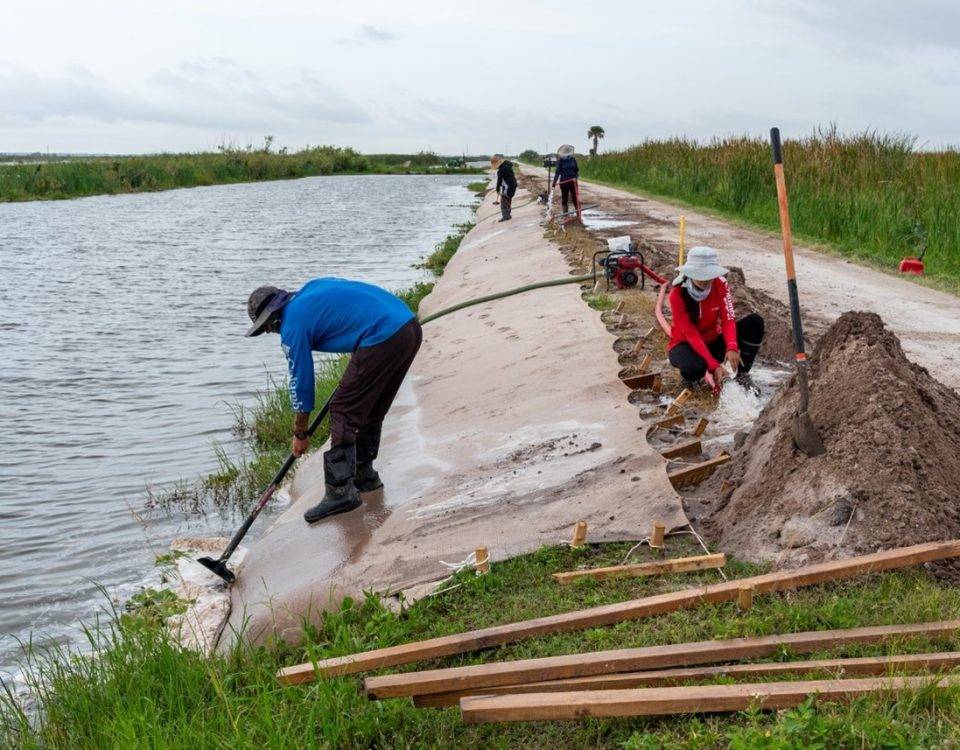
649	680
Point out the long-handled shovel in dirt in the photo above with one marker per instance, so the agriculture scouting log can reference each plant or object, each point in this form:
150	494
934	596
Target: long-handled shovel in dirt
804	433
219	566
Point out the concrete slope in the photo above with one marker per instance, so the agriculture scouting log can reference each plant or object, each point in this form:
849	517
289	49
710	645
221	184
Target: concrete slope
512	426
926	320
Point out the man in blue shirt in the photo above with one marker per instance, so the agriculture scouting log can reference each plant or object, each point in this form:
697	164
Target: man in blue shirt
382	336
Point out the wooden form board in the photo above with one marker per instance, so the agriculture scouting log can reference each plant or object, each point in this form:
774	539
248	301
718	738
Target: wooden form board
474	679
686	448
645	380
609	614
662	424
682	700
658	567
697	473
701	427
837	668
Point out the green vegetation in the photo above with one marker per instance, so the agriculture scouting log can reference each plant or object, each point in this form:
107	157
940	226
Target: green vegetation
143	691
445	250
601	301
479	187
871	197
595	133
530	156
72	178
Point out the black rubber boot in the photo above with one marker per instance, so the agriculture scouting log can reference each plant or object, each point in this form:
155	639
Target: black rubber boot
368	448
339	470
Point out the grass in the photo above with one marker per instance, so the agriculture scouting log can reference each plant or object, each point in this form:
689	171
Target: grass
869	196
446	249
144	691
479	187
74	178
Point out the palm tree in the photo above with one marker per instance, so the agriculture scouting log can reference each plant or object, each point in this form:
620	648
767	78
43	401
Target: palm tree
595	132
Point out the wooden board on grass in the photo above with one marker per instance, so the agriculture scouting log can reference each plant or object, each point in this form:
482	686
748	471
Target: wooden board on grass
476	678
644	380
683	700
865	666
609	614
657	567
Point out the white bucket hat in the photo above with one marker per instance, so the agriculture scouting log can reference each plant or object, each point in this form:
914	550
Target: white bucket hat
701	265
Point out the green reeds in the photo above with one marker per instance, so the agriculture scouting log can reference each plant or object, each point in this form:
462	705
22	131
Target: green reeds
870	196
74	178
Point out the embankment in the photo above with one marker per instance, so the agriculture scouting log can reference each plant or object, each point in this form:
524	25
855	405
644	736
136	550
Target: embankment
512	426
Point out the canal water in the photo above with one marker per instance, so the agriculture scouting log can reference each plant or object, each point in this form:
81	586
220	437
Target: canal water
122	351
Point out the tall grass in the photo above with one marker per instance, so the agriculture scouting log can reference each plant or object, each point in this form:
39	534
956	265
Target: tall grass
95	176
142	690
871	196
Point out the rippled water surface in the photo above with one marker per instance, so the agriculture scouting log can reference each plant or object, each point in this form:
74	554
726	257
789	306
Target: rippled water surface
121	346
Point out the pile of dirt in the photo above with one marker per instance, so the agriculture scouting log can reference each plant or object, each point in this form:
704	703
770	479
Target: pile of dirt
889	477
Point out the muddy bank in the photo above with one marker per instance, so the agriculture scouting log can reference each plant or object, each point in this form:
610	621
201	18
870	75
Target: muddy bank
889	477
512	426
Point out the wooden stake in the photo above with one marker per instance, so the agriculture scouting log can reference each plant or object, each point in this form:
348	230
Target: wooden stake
656	536
474	679
644	364
679	401
701	427
623	319
579	535
686	448
482	560
619	307
638	346
673	421
745	598
659	567
649	333
852	667
685	700
692	475
609	614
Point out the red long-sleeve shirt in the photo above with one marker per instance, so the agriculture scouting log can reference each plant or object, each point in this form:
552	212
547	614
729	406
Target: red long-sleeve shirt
716	319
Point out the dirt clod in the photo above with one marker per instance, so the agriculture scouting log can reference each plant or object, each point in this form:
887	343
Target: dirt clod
888	479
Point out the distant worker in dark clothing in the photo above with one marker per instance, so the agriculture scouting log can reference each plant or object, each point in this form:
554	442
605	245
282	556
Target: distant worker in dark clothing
567	174
382	336
506	188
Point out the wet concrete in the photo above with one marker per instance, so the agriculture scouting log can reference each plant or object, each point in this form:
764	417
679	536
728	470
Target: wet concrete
512	426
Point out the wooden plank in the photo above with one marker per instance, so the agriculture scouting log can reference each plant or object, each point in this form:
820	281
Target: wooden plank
745	598
644	380
849	667
663	424
679	401
683	700
609	614
482	557
658	567
697	473
644	364
701	427
475	679
656	536
686	448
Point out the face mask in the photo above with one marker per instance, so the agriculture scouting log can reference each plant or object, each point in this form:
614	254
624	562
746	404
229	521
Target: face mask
699	295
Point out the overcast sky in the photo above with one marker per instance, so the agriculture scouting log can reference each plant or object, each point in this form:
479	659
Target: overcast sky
483	75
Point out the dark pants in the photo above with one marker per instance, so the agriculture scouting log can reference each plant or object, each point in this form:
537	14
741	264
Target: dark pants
506	201
568	194
368	388
749	337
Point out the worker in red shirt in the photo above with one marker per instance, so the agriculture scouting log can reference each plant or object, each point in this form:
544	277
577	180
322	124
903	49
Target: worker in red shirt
705	334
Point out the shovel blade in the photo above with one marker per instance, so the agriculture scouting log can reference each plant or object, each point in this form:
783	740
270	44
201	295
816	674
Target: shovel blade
218	567
805	435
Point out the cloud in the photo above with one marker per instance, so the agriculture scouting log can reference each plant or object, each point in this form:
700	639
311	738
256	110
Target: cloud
377	35
213	93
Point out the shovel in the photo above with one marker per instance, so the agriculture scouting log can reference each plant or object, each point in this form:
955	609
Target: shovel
219	566
804	433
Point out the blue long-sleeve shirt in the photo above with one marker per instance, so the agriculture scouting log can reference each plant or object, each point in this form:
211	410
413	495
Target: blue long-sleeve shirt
334	315
567	169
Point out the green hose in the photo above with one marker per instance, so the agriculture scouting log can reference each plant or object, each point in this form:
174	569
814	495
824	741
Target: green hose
507	293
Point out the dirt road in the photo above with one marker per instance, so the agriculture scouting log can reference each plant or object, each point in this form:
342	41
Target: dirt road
927	321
